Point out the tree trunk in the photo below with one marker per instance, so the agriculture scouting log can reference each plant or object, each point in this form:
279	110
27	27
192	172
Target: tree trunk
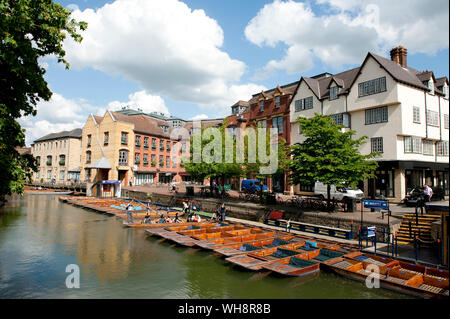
328	196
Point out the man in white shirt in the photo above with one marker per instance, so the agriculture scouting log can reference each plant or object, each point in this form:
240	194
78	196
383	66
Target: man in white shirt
428	193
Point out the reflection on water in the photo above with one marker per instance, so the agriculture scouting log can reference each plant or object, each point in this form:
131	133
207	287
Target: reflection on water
40	236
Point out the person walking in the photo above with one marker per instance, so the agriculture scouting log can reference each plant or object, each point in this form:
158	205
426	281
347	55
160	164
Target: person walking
222	211
428	193
288	226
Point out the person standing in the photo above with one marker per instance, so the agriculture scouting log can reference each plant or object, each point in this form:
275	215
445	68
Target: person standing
288	226
222	211
130	209
428	193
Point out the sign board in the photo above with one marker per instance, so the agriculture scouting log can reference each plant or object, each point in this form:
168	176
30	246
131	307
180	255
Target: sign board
371	231
376	204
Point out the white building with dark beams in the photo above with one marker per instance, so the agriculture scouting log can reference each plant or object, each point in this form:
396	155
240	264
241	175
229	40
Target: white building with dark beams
403	111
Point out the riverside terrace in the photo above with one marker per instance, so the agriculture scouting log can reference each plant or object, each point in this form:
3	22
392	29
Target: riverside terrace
258	248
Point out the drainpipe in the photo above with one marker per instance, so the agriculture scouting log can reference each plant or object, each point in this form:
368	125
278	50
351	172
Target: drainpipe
426	115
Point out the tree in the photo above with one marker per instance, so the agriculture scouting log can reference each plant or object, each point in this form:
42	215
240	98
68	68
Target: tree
29	30
329	155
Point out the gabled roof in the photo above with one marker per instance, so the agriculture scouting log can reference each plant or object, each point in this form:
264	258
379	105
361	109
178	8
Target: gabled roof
441	81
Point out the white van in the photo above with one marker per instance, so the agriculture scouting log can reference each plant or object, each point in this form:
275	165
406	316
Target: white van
339	193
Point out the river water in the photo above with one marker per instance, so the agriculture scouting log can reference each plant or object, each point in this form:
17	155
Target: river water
40	236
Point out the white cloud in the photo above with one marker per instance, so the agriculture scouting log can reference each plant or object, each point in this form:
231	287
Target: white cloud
163	45
199	117
343	31
141	100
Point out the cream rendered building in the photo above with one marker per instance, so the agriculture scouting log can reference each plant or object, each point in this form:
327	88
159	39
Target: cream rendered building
58	156
403	112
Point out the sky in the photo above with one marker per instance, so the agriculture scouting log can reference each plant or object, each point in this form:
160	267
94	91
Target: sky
195	58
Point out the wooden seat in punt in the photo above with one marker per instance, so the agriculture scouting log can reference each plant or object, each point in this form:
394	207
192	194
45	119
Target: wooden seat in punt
173	229
258	259
384	264
406	282
241	248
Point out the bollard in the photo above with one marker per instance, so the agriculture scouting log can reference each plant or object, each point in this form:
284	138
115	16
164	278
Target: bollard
415	247
351	229
375	242
359	237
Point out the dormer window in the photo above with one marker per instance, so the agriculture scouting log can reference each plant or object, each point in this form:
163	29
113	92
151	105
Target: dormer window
277	101
261	105
333	93
445	91
431	86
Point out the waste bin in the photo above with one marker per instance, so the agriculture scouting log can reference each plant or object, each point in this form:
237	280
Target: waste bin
190	190
351	205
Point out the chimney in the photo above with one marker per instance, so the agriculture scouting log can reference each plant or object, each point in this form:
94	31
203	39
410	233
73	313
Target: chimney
398	55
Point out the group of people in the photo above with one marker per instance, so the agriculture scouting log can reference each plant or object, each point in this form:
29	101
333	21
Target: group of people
219	214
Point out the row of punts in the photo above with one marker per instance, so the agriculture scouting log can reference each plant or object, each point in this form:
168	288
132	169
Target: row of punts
261	249
286	254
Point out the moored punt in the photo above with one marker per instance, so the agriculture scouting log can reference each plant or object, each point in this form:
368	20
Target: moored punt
157	225
241	248
294	266
422	270
230	239
258	259
405	282
384	264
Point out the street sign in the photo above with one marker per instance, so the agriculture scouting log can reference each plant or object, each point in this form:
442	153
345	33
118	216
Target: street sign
371	231
376	204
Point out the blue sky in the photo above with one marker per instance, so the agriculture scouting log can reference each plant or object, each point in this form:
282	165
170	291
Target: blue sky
169	56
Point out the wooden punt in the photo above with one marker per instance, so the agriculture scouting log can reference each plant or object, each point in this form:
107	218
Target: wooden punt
263	257
419	285
230	239
294	266
190	237
422	270
245	247
384	264
158	225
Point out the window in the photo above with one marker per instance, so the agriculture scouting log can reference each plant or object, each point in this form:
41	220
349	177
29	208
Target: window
442	148
37	174
89	140
153	161
413	144
262	124
161	145
341	119
235	110
304	104
145	160
124	138
430	85
123	158
277	101
146	142
378	115
277	122
372	87
432	118
334	93
183	147
106	138
168	146
161	161
300	129
62	160
38	160
261	105
174	163
416	114
168	161
49	174
65	144
49	160
61	175
376	145
88	157
137	158
138	141
446	121
428	147
153	144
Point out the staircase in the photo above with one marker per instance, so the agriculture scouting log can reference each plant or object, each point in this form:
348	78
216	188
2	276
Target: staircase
424	225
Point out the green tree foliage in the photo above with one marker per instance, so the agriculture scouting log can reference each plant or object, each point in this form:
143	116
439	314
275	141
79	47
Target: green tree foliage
329	155
29	30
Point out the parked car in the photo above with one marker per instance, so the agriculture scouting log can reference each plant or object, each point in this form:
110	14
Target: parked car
252	185
337	193
417	193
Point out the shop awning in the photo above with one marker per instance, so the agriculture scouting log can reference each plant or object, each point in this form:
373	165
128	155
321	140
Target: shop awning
101	163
